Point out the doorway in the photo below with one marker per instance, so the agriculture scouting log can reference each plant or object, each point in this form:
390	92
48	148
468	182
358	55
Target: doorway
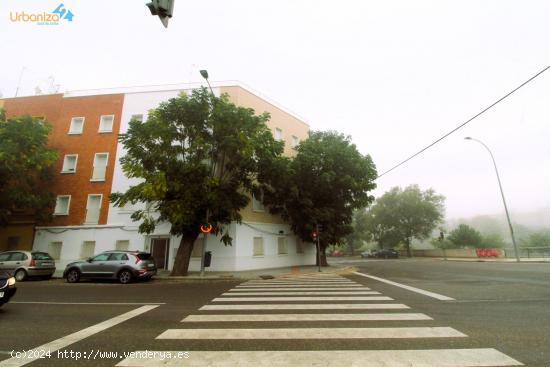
159	249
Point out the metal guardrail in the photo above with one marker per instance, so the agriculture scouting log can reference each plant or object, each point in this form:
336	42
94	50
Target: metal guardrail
529	252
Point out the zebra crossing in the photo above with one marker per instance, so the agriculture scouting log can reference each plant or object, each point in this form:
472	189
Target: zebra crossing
309	299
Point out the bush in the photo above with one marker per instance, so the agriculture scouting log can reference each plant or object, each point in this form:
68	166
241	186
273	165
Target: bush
465	236
492	240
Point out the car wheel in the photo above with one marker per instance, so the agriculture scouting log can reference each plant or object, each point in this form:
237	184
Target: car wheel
20	275
73	276
125	276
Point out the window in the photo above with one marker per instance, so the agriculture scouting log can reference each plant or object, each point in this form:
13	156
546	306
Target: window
54	249
93	207
77	125
295	141
69	163
62	205
278	134
257	204
100	166
197	248
87	250
101	257
106	123
258	249
117	256
5	256
137	117
281	246
18	256
122	245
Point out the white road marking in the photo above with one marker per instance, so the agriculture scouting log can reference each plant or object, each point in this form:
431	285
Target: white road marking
313	333
92	303
304	288
320	306
286	299
334	358
407	287
309	317
75	337
300	282
299	285
334	293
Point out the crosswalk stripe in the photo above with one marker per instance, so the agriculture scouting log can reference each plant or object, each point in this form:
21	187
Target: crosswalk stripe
487	357
309	317
319	306
233	293
300	282
298	285
286	299
314	333
305	288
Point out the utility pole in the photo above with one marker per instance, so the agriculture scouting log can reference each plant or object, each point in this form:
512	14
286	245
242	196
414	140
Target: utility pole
318	248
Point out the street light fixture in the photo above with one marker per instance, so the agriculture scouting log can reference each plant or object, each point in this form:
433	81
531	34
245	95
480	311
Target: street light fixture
502	194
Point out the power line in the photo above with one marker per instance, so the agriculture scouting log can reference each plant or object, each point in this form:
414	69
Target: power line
468	121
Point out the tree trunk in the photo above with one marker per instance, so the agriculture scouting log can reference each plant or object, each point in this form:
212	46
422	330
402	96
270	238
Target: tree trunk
408	244
183	256
323	256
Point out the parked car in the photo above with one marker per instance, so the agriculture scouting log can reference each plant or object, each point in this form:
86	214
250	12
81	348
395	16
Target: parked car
122	265
25	264
7	287
386	253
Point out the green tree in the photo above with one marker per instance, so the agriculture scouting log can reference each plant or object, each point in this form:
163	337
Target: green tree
465	236
25	167
400	215
196	157
359	234
325	182
492	240
538	239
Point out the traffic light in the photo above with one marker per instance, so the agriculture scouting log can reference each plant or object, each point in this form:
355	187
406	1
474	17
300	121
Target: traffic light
162	8
314	236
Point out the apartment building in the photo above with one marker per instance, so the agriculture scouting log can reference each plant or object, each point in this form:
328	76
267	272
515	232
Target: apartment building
86	125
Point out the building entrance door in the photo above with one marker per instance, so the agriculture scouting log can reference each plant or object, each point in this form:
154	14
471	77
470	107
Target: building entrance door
160	249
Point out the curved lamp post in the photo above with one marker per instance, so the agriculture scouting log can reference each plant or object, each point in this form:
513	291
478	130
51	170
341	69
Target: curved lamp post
502	194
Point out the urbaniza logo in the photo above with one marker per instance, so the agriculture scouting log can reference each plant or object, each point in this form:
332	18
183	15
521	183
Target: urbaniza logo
61	13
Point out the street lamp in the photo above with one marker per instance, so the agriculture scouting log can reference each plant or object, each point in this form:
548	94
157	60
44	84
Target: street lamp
204	74
502	194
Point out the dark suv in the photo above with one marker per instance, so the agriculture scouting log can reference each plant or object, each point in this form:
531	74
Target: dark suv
7	287
122	265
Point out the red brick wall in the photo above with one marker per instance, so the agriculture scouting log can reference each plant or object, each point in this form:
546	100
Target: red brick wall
59	111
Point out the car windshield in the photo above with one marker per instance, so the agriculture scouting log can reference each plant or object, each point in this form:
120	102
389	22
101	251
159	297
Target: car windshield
41	256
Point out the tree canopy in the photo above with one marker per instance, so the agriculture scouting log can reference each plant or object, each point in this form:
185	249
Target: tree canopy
195	156
400	215
465	236
322	185
25	167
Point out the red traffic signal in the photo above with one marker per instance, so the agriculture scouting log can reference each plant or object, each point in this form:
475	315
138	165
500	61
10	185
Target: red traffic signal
314	235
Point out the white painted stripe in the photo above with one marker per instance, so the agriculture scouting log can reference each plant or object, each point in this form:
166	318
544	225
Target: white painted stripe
309	317
255	289
320	306
300	282
286	299
407	287
334	293
333	358
75	337
92	303
299	285
314	333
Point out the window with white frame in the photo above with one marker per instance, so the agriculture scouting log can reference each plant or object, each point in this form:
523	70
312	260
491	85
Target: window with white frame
54	249
278	134
258	246
281	246
87	250
62	203
69	163
106	123
93	207
122	245
295	141
257	204
100	166
77	125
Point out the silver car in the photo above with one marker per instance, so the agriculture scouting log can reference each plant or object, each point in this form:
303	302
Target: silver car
24	264
122	265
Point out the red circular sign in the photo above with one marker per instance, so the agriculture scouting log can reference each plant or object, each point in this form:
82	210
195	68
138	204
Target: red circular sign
206	229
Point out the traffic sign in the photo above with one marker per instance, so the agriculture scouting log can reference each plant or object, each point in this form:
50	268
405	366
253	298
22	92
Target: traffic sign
207	228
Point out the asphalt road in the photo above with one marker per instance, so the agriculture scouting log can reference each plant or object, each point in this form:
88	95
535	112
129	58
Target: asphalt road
501	306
